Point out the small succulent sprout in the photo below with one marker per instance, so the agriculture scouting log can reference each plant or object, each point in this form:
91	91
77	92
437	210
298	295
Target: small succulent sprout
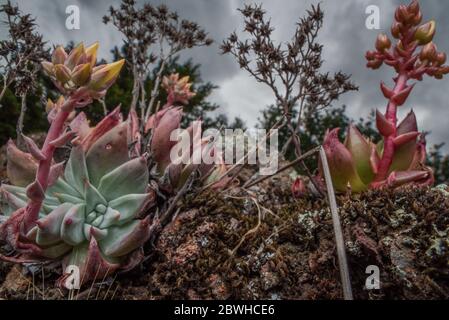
92	209
178	90
299	188
342	164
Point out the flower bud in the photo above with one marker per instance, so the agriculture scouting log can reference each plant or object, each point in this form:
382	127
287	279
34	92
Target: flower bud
59	56
48	68
383	42
438	75
396	29
370	55
62	73
440	58
401	14
81	74
428	52
374	64
74	57
416	20
91	54
50	105
424	34
413	7
102	78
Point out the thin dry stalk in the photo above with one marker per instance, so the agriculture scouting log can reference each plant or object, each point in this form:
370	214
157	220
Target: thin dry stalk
339	240
251	231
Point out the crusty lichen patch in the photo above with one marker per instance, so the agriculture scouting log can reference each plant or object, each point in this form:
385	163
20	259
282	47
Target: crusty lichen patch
292	254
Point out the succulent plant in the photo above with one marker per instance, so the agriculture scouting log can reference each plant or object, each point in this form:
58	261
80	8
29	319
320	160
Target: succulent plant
178	89
161	125
90	214
46	210
399	158
87	211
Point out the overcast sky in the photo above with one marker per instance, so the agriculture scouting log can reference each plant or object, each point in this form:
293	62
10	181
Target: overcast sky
344	36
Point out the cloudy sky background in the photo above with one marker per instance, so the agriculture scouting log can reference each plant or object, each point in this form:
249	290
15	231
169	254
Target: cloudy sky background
344	36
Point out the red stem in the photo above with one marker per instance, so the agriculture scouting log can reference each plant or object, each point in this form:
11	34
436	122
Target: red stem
389	148
57	128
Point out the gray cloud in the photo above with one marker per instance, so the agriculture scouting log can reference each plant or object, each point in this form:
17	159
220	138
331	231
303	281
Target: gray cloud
344	36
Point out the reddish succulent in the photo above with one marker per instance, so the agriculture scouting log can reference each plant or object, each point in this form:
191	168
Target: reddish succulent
35	174
399	157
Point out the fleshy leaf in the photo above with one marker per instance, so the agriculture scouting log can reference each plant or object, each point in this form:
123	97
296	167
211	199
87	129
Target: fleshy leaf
63	197
49	227
403	177
80	125
403	155
12	201
341	164
405	138
62	187
130	177
93	197
72	225
56	251
21	167
402	96
124	239
409	124
35	191
109	122
90	261
384	126
107	153
360	150
76	171
110	218
130	205
161	143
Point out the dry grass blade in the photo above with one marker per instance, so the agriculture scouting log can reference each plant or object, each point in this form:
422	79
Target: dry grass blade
109	288
101	284
251	231
342	261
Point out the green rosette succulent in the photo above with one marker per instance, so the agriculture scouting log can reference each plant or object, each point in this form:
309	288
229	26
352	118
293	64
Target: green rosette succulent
90	215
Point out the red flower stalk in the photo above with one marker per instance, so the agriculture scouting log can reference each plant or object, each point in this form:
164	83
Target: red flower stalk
399	158
413	56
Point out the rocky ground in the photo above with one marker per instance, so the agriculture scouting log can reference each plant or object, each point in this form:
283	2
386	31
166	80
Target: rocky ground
265	245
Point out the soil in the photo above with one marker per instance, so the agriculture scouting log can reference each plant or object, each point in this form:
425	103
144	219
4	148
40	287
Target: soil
231	246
